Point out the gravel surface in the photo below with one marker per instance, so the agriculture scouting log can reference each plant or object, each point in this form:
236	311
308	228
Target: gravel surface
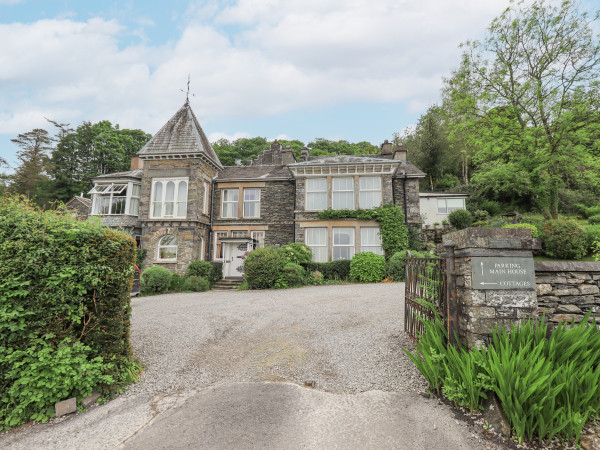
340	338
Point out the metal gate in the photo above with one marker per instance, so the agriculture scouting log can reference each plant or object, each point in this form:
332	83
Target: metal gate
426	279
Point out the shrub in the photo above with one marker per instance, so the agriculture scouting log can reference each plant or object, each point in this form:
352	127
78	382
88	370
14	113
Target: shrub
176	284
200	269
216	273
592	234
367	267
297	253
334	270
196	284
594	220
461	218
156	280
292	275
535	233
481	215
64	310
564	240
493	208
480	224
140	256
397	264
588	212
263	267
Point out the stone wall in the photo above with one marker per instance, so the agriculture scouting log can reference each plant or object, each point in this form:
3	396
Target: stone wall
413	213
434	235
567	290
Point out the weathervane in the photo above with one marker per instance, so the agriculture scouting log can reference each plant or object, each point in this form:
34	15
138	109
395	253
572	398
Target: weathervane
187	94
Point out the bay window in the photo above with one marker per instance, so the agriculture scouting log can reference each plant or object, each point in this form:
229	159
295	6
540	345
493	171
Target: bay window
115	198
169	198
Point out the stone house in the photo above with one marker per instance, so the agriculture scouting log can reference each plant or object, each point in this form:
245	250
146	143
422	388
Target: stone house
181	204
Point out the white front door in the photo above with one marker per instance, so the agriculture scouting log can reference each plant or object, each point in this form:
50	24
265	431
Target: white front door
233	255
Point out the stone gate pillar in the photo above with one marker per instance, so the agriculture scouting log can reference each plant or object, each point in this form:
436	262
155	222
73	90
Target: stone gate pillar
494	279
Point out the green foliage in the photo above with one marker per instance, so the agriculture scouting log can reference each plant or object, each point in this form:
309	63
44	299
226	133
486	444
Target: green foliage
492	207
596	250
588	212
156	280
297	253
263	267
140	256
41	375
195	283
594	220
367	267
176	284
200	269
397	263
64	305
481	215
216	273
461	218
564	239
332	271
393	230
415	238
292	275
535	233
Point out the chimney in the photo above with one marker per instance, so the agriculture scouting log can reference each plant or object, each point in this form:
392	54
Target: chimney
276	146
287	156
304	154
400	153
386	148
136	163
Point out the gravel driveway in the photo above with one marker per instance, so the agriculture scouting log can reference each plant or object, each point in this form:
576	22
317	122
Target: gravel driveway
341	340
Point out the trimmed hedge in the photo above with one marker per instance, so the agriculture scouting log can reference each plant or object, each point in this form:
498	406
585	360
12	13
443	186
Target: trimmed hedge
194	283
64	302
156	280
200	268
367	267
263	267
334	270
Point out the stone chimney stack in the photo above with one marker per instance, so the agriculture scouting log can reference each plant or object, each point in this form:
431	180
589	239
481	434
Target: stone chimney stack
386	148
287	156
136	163
400	153
304	154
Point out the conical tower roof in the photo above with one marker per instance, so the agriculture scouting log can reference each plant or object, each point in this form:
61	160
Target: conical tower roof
181	136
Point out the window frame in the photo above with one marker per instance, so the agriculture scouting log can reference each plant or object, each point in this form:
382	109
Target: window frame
352	245
237	203
311	245
361	190
161	246
315	192
164	181
216	244
108	192
256	202
447	208
362	243
260	242
344	191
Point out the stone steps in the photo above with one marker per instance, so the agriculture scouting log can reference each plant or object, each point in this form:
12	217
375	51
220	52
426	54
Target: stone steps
227	284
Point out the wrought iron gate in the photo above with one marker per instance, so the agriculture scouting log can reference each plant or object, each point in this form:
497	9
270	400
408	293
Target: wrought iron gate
427	279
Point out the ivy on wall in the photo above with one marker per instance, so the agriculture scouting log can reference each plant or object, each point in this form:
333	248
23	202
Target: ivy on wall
393	230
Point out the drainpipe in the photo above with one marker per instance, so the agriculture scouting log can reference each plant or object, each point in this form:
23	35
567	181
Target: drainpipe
210	212
294	184
404	191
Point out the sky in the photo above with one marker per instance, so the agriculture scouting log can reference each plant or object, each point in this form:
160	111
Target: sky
358	70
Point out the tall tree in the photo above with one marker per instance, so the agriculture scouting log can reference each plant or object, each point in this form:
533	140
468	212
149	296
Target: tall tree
33	163
542	62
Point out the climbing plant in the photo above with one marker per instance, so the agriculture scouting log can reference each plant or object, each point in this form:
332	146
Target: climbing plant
393	230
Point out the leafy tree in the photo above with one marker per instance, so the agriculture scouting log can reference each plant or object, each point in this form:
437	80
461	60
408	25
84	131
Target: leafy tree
240	150
541	63
33	158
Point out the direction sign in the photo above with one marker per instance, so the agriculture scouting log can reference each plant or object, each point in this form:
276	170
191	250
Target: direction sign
502	273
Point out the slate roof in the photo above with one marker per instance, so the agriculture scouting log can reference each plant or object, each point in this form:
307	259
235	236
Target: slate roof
85	201
343	159
254	173
181	135
129	174
410	170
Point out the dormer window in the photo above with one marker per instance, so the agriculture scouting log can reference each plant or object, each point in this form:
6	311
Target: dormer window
115	198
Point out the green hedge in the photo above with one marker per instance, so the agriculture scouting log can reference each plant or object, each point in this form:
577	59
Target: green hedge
367	267
334	270
397	264
263	267
64	295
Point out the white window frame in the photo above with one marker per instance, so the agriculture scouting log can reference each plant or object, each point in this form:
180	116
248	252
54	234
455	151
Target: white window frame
216	243
448	209
261	242
315	192
342	191
363	204
109	193
351	246
313	245
256	202
160	246
131	198
205	199
368	246
236	202
162	200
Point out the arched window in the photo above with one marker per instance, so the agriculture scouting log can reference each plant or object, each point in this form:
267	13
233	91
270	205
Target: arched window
169	198
167	248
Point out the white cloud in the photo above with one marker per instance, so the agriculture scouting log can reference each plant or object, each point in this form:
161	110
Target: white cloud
286	55
216	136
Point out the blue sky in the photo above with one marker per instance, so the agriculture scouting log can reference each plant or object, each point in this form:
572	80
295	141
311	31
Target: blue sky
300	69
